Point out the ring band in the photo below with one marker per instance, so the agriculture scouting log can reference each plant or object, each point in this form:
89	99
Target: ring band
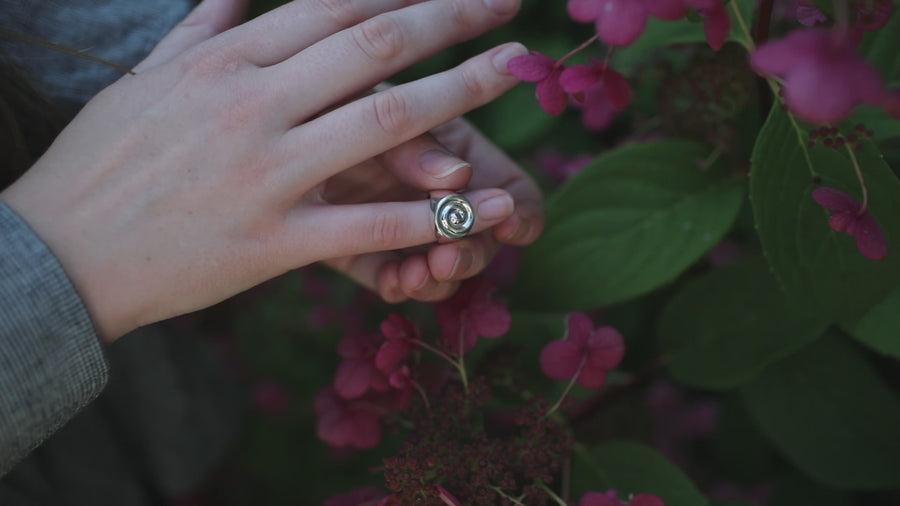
453	216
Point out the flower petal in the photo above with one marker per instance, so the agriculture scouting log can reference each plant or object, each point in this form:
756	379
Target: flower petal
591	378
491	321
645	500
580	77
670	10
560	359
531	67
551	96
834	199
620	22
605	348
716	25
869	238
579	328
598	499
353	378
584	11
618	90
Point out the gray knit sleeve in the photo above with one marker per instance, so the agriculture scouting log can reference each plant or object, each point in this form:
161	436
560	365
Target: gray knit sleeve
51	361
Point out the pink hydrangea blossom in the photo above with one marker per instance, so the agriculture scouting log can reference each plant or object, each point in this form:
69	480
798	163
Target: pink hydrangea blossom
584	352
344	423
621	22
824	77
399	334
357	373
716	23
850	217
543	70
618	22
600	92
471	313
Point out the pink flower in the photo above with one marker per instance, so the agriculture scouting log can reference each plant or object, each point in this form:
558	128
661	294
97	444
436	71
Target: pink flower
611	498
543	70
850	217
872	15
357	373
601	92
357	497
344	423
399	334
584	352
470	313
824	77
618	22
716	22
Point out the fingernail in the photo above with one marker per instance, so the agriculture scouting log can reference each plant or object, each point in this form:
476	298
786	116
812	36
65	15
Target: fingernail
502	6
463	263
496	208
502	58
440	164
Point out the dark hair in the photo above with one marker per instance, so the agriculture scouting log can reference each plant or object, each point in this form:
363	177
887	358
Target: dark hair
28	123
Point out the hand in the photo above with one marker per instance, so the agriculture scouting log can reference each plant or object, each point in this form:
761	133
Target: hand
406	173
194	179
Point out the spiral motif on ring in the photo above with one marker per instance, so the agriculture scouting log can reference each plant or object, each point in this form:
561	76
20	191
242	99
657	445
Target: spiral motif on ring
453	217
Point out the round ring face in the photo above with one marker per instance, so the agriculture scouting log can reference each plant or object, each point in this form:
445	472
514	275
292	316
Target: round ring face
453	216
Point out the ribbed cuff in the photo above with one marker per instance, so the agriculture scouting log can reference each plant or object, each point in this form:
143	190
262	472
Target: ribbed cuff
51	360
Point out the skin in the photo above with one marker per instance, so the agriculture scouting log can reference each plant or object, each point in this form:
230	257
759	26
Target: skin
239	152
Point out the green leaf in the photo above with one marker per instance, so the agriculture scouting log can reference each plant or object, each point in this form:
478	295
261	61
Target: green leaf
631	221
820	269
632	468
722	329
880	327
831	415
794	489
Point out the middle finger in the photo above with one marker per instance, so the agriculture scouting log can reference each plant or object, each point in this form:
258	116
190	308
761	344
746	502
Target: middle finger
355	59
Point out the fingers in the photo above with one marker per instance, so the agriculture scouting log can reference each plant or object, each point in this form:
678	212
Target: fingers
329	231
283	32
425	164
379	47
494	169
376	123
209	18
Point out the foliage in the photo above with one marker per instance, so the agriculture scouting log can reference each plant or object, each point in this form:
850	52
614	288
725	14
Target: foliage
761	337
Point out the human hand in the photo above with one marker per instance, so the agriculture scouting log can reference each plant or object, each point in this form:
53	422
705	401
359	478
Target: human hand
194	179
409	170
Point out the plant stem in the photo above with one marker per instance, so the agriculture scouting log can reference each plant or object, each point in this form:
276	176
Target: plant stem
568	388
862	181
552	494
749	44
507	496
576	50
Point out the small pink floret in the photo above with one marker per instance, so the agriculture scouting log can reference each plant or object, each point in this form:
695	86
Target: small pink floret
849	217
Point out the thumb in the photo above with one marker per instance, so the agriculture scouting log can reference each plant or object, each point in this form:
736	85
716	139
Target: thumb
207	20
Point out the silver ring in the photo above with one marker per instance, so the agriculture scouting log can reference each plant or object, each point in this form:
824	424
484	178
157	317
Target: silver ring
453	216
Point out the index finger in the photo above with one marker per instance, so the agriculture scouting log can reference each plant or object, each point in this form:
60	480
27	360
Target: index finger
492	168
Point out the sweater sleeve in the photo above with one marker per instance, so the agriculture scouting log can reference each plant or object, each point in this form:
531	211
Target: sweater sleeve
51	360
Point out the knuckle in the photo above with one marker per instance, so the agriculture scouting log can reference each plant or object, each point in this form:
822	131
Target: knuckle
380	38
473	81
462	15
386	231
342	12
391	112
